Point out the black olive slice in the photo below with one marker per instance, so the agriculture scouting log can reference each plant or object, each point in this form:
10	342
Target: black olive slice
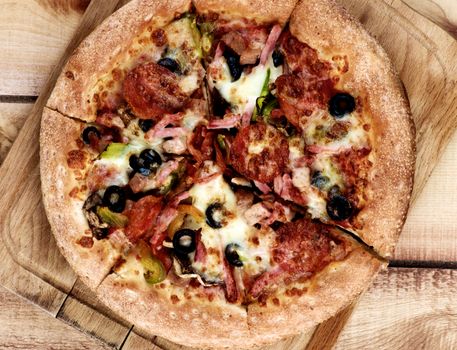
341	104
184	241
278	58
88	133
145	124
219	104
233	63
100	233
215	214
339	208
146	162
334	191
169	63
232	256
150	158
318	180
114	198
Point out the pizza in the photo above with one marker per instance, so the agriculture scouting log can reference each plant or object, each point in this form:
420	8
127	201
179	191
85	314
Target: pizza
226	174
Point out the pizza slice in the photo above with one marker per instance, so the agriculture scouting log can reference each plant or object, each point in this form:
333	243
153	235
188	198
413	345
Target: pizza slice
64	164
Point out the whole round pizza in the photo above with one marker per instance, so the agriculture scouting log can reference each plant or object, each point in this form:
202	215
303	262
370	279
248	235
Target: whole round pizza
227	173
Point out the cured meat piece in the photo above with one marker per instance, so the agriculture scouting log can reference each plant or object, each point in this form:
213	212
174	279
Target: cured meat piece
152	90
259	152
301	249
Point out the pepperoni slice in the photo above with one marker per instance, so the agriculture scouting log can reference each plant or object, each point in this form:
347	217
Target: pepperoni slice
299	97
303	59
142	216
259	152
152	90
301	249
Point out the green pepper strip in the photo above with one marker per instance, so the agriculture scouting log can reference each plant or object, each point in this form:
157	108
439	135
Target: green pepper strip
261	99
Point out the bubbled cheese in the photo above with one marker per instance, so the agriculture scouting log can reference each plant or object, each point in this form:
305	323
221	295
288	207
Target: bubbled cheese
255	257
242	94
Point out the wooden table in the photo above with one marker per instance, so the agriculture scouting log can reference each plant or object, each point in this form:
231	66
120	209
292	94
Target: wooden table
408	307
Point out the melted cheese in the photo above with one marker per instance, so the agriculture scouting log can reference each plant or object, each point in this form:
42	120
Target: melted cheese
255	258
242	94
317	126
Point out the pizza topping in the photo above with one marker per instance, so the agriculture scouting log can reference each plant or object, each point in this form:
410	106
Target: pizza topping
229	121
184	241
98	227
320	181
278	58
147	162
299	97
114	198
152	90
142	217
90	134
270	44
339	208
233	63
215	215
259	152
341	104
301	249
241	93
145	124
111	218
154	271
232	256
170	64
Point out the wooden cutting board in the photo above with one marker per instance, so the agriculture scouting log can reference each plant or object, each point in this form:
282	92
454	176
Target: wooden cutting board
33	267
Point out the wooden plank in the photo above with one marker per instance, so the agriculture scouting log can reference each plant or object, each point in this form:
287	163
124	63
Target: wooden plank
34	34
431	227
26	326
405	309
441	12
413	82
93	322
136	342
12	117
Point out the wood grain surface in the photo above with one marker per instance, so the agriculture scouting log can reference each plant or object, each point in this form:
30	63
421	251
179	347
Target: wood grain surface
26	326
429	233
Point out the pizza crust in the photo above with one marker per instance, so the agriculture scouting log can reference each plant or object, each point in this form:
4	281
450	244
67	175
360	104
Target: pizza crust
64	212
328	28
262	11
215	324
97	54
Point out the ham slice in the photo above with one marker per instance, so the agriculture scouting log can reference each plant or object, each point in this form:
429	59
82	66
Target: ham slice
230	121
262	187
200	249
270	44
170	132
165	171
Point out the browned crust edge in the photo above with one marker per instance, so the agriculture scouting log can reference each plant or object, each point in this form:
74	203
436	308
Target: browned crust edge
262	11
57	138
215	324
327	27
96	54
